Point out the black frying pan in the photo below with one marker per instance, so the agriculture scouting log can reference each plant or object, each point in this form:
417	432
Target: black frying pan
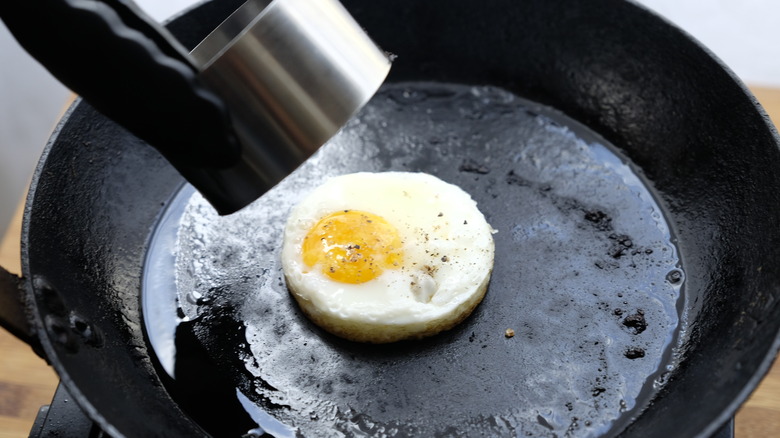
702	144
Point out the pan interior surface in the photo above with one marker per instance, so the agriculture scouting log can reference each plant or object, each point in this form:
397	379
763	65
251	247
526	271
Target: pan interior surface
586	273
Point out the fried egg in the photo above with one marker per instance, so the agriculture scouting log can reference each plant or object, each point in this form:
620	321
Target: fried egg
382	257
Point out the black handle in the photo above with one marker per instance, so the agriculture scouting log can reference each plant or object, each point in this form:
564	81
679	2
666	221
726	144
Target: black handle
726	431
15	313
130	69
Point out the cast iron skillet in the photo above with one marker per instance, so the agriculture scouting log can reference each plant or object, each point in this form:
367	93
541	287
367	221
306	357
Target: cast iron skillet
678	114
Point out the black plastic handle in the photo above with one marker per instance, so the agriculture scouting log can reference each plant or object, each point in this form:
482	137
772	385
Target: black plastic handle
15	313
130	69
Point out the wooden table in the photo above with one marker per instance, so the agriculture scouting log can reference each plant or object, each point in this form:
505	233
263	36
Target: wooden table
26	382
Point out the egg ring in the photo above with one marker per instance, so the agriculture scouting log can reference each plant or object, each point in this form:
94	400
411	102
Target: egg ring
383	257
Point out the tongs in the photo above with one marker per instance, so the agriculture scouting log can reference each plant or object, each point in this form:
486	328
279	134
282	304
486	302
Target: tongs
270	85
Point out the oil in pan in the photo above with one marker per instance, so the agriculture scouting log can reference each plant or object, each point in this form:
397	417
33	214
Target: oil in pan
586	275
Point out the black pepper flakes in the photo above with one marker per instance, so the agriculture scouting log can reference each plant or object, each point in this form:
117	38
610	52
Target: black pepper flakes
634	353
636	322
472	166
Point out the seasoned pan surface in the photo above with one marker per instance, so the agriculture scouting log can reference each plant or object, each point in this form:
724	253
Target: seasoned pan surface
586	274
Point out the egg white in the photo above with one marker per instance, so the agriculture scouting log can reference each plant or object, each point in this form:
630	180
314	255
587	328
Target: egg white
447	249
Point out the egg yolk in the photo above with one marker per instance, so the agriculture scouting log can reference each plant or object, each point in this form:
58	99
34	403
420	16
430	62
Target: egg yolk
352	246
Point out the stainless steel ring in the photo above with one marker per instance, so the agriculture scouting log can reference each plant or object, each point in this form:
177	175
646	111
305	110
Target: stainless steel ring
292	73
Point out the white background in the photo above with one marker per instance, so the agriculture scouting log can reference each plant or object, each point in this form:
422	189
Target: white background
744	34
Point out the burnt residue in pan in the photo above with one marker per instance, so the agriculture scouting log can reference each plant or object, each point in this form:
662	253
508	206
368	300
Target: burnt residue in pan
586	276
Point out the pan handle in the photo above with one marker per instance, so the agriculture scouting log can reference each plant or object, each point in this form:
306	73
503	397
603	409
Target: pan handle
15	311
